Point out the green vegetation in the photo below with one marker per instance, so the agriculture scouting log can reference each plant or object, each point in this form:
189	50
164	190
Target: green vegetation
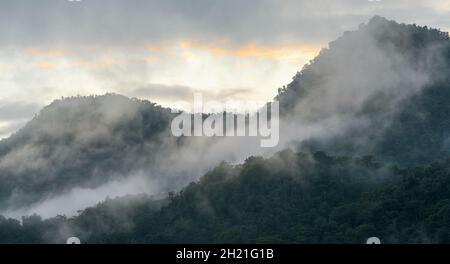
289	198
402	72
80	142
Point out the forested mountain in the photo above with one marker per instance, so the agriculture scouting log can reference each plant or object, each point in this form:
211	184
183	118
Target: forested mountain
385	86
80	142
289	198
378	98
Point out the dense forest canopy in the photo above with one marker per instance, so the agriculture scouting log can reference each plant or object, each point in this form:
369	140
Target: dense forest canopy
289	198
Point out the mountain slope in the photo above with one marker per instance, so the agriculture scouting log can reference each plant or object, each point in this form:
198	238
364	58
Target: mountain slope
289	198
80	142
382	89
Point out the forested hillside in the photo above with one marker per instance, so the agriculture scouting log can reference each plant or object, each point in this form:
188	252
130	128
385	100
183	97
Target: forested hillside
386	86
80	142
289	198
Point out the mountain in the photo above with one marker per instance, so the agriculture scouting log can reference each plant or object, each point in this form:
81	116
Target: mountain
80	142
381	90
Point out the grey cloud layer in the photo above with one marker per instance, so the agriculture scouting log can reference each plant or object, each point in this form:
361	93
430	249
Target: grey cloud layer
180	92
120	22
14	115
17	110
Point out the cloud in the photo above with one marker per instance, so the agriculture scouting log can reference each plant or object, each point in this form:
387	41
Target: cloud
6	128
10	110
44	66
295	53
160	92
13	115
151	59
441	6
81	198
125	23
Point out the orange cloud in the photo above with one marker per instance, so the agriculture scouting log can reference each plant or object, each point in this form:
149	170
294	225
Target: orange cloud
49	53
151	59
188	55
278	53
44	66
187	50
292	53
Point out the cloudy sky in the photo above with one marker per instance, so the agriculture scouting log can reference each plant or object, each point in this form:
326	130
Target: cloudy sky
165	50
